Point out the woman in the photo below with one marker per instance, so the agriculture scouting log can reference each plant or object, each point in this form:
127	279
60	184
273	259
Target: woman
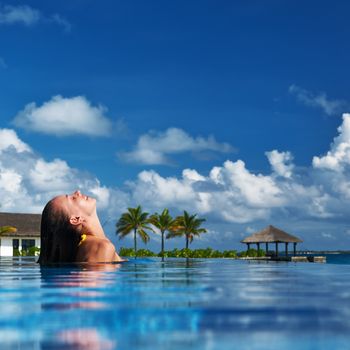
71	232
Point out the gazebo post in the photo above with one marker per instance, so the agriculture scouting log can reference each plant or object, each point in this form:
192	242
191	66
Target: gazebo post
258	246
286	248
276	248
295	248
248	246
267	247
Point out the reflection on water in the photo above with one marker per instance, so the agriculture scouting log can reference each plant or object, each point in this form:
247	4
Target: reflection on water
175	304
80	282
80	339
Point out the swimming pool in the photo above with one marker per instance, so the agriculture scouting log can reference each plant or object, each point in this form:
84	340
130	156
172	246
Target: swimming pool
176	304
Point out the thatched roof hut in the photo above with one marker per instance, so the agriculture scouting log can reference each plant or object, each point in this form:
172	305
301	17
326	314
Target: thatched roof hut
271	234
27	225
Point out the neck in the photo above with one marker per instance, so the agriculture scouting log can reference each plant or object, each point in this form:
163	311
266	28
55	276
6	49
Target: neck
93	227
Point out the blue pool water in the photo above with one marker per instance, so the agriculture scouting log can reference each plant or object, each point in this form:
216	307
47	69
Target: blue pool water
178	304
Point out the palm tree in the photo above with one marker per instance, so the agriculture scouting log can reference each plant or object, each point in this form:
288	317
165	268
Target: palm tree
188	226
164	222
134	220
7	229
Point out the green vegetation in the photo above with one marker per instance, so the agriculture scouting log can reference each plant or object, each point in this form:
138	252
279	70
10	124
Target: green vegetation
200	253
253	253
16	252
130	252
180	253
32	251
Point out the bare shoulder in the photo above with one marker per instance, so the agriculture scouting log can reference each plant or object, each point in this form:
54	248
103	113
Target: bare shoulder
95	249
102	243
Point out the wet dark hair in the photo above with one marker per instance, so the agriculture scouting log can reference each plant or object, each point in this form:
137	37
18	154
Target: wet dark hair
59	239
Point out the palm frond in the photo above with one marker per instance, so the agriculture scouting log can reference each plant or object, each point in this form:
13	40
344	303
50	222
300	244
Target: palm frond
123	234
7	229
202	230
134	219
174	234
149	228
144	236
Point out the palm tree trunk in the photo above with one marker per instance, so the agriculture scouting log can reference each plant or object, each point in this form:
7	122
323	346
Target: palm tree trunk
186	241
162	243
135	247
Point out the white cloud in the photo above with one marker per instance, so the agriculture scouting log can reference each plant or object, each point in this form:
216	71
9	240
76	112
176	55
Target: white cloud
50	176
19	14
333	168
150	186
215	236
102	195
28	16
13	195
9	138
192	175
232	193
10	181
250	230
28	181
281	163
229	194
255	189
64	116
154	147
58	19
339	155
330	107
327	235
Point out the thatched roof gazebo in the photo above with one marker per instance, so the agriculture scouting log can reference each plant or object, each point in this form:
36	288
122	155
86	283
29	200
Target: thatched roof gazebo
271	234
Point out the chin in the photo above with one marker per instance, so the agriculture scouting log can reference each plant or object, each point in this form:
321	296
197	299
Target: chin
90	199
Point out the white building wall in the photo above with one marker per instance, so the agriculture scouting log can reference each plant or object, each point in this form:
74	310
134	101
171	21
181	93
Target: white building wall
6	248
6	245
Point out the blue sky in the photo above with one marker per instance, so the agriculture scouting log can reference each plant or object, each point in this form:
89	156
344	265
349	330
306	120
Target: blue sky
236	111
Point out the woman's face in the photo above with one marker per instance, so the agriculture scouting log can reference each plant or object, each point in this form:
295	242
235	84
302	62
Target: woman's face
76	204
